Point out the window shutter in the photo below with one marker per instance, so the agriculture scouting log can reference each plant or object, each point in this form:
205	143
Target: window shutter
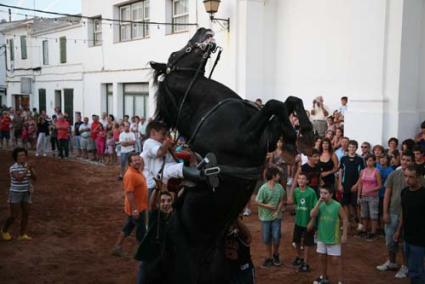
62	42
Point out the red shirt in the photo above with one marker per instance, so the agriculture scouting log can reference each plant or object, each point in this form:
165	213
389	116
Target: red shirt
5	123
62	126
94	129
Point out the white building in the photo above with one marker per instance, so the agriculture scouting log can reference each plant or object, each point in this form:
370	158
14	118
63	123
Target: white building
371	51
44	67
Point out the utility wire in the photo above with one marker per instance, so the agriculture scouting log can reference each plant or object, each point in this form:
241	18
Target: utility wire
91	18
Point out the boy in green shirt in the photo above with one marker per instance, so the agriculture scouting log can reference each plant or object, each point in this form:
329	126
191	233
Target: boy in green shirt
329	237
304	198
270	201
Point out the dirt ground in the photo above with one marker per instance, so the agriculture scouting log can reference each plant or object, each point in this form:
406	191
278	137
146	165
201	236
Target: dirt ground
77	215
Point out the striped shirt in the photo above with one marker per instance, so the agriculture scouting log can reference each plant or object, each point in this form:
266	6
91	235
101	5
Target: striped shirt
19	185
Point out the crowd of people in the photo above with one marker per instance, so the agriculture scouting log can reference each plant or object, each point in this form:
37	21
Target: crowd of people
336	192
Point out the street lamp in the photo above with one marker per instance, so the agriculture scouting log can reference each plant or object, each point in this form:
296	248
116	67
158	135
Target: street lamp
211	6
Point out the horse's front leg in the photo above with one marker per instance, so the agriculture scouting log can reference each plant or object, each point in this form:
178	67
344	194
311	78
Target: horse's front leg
258	123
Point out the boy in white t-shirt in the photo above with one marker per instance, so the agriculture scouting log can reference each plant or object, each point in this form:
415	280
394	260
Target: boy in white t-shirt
156	155
127	141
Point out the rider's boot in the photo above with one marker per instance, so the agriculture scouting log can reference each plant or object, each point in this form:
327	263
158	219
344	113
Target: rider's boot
206	170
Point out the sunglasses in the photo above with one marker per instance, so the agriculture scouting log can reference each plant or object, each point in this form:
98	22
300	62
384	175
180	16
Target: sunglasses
364	146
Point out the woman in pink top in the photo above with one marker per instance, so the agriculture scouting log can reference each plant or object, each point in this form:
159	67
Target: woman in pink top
369	184
100	142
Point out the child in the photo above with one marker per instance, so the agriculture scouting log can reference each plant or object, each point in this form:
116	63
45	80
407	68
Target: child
100	142
110	148
350	167
270	201
304	198
329	239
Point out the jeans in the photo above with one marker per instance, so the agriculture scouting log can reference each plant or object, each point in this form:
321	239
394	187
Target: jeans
41	143
271	230
138	224
390	230
63	147
415	262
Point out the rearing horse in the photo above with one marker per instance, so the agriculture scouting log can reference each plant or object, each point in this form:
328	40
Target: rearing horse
215	119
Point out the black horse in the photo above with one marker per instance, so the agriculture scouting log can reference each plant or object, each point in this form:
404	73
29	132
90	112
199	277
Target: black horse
217	120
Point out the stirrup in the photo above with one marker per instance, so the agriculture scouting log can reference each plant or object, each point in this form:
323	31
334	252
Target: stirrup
212	171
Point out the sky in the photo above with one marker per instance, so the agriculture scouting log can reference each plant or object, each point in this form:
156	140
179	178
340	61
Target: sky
63	6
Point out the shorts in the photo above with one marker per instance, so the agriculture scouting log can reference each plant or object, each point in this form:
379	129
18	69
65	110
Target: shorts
123	159
369	207
85	144
333	250
5	134
138	224
271	231
390	230
77	143
19	197
301	233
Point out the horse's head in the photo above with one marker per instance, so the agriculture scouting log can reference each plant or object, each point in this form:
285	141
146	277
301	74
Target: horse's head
194	54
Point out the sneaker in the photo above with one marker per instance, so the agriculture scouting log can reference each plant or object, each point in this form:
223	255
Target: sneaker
6	236
268	262
297	261
304	268
24	237
321	280
360	228
36	154
44	155
370	237
117	251
402	273
388	265
276	260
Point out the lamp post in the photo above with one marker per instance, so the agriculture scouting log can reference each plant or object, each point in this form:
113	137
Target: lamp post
211	7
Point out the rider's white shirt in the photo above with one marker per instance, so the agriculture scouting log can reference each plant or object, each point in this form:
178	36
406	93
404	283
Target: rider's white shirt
153	164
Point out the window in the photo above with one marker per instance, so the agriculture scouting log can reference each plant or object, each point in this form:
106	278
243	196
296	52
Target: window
109	98
24	47
41	100
11	50
180	15
137	12
45	52
97	31
62	49
136	99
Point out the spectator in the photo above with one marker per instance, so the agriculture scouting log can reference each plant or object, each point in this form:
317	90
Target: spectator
392	214
413	206
328	164
62	126
385	170
100	143
369	183
5	126
392	145
93	132
318	116
275	159
85	137
343	108
259	103
134	127
365	149
312	171
317	143
42	136
18	125
304	198
142	129
329	134
270	201
330	124
127	141
342	150
77	134
418	153
420	137
349	173
395	159
135	203
110	148
104	120
329	212
339	135
20	193
407	145
378	151
53	134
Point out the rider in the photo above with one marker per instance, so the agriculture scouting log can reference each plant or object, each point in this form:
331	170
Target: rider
160	164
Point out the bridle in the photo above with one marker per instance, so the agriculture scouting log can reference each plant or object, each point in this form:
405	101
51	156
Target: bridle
207	49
